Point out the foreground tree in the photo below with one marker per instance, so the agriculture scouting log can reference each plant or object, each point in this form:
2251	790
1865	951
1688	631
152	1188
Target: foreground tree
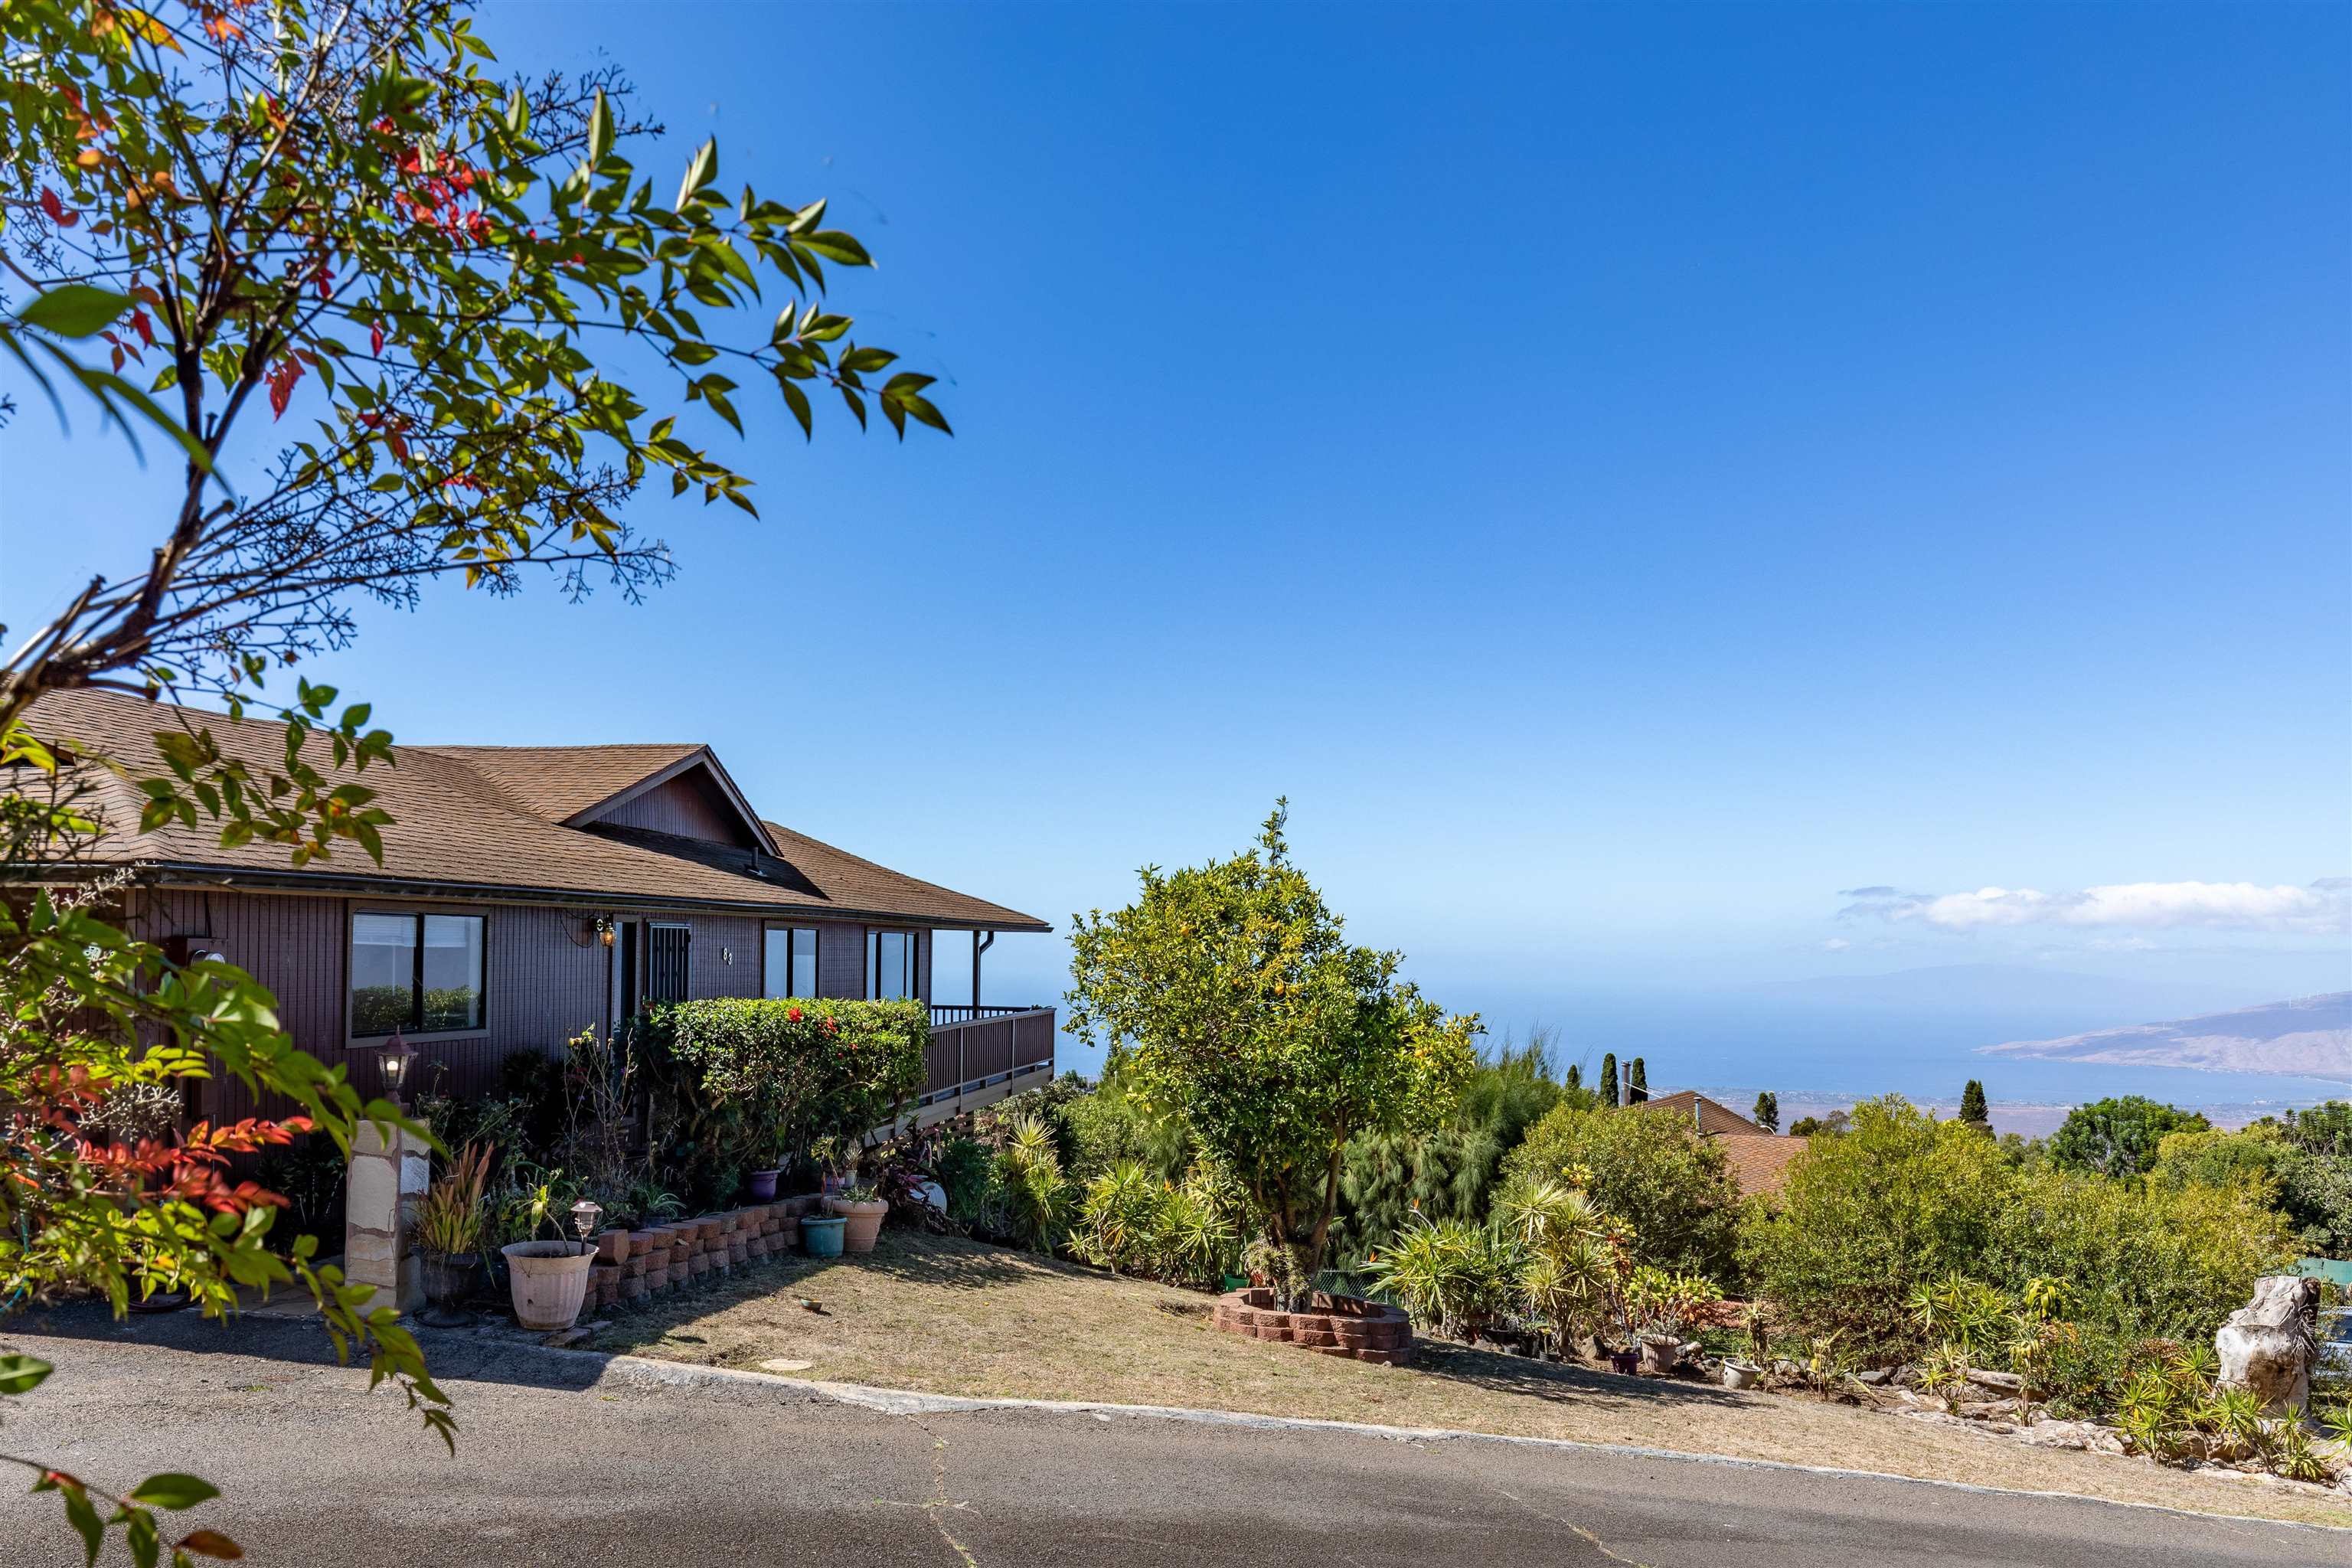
440	278
1230	1000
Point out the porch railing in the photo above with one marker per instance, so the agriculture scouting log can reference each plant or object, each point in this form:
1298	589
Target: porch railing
964	1013
976	1048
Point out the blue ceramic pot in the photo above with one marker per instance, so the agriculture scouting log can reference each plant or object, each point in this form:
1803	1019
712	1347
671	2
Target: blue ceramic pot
820	1235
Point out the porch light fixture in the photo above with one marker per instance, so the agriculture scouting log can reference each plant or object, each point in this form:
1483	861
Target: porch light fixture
398	1056
602	926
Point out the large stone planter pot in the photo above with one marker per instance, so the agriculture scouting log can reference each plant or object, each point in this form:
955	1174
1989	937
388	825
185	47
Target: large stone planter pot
1741	1374
1660	1354
448	1282
1335	1325
865	1222
548	1280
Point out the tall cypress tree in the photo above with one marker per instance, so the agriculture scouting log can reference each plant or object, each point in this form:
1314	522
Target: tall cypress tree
1575	1077
1768	1111
1609	1077
1972	1106
1637	1083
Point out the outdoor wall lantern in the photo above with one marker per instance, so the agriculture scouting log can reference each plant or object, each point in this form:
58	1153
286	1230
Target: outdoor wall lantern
602	926
394	1062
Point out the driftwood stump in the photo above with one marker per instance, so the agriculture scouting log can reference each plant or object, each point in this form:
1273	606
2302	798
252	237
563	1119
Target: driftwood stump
2271	1345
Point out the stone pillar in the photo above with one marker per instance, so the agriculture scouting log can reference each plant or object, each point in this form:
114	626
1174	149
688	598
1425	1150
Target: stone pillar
387	1180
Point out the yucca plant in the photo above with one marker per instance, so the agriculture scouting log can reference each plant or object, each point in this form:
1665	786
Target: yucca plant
2234	1416
1944	1373
1566	1284
2151	1429
1034	1192
1197	1236
1118	1218
1450	1275
2293	1455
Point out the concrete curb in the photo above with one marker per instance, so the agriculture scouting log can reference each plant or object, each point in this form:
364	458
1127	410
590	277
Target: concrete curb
646	1369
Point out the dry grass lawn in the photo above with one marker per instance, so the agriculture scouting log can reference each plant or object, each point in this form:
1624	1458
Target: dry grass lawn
947	1316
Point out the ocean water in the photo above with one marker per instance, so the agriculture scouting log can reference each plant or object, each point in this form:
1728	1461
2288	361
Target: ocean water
1803	1047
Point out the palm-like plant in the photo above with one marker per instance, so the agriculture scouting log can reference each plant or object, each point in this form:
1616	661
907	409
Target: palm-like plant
2235	1416
1034	1192
1196	1233
1450	1275
1567	1285
2293	1455
1118	1217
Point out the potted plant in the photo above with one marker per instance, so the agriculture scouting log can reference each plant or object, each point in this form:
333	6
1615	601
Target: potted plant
449	1236
863	1205
1745	1373
1658	1305
548	1280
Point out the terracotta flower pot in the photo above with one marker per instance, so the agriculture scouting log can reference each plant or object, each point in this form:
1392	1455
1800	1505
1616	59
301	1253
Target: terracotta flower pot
1660	1354
548	1281
865	1222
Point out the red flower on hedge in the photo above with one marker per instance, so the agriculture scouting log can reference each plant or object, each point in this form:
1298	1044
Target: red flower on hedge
793	1014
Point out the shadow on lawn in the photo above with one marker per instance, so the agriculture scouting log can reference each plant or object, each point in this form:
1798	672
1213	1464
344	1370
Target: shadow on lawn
1535	1379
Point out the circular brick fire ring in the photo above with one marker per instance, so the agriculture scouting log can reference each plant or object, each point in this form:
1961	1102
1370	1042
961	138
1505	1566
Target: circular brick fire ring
1338	1325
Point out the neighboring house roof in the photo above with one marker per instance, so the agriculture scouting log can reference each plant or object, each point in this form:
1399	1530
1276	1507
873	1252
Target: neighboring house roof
1713	1116
479	821
1758	1159
1760	1164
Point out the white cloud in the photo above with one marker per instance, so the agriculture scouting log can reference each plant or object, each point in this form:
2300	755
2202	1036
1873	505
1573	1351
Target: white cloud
2323	906
1836	944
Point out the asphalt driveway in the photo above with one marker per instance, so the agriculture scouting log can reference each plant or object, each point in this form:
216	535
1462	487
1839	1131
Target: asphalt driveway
564	1458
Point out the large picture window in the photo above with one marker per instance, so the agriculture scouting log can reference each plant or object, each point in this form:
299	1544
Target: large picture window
889	964
790	967
418	972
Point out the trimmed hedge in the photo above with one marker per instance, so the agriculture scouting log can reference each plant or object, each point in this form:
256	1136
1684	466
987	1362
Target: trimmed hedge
743	1083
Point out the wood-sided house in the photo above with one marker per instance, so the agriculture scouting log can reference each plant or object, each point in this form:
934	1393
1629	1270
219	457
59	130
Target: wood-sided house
530	892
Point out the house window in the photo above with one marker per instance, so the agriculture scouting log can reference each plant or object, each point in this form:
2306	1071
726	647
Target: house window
418	972
669	971
790	967
889	964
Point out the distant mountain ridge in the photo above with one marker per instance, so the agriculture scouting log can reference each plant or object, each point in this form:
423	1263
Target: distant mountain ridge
2309	1037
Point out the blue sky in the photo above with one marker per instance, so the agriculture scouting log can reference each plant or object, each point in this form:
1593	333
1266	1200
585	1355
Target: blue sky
1630	476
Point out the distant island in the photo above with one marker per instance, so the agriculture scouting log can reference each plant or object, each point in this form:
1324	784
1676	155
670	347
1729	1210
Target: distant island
2309	1037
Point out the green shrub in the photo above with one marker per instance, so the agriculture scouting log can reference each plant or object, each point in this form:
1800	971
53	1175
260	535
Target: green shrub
1869	1218
745	1083
2306	1179
2138	1258
1649	1171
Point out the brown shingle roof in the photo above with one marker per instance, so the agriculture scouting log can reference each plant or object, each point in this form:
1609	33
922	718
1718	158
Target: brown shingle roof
560	782
1760	1165
457	829
1714	1116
